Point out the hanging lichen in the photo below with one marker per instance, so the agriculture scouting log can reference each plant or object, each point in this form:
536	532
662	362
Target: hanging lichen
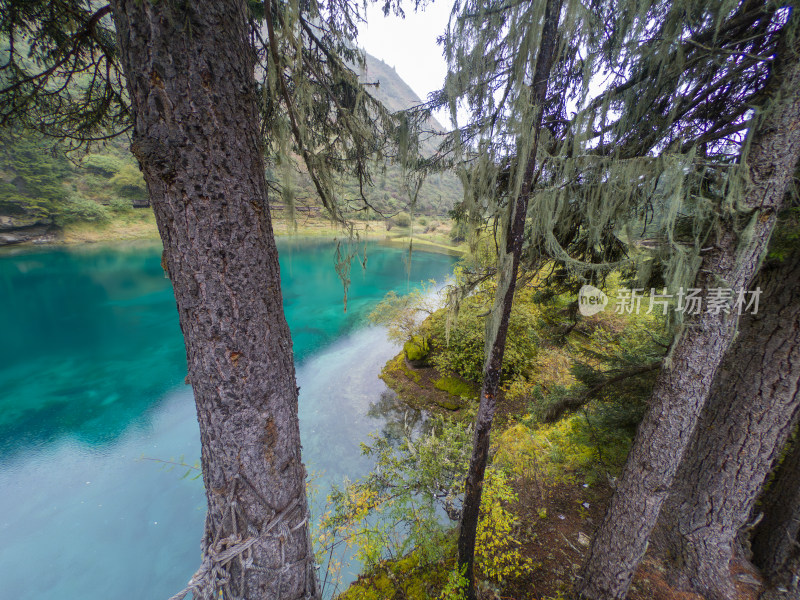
643	145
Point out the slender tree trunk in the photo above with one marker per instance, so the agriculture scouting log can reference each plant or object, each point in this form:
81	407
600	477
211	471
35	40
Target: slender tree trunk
190	75
681	390
747	420
497	326
776	542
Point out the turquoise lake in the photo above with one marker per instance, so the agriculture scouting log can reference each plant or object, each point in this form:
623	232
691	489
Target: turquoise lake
92	366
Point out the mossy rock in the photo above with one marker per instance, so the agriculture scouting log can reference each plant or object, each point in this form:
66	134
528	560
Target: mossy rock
417	350
450	403
455	387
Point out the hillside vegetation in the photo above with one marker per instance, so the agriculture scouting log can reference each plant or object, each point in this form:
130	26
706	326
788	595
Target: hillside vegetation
42	190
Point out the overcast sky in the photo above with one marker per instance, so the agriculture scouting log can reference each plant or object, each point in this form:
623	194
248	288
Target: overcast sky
409	45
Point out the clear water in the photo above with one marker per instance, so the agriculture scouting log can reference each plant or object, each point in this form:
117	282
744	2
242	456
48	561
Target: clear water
91	381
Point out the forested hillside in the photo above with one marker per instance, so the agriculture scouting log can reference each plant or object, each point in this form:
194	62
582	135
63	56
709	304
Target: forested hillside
42	188
439	191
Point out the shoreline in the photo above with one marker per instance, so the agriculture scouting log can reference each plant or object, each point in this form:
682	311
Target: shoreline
140	227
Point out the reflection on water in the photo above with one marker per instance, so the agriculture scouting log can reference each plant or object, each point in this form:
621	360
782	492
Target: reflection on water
91	379
399	420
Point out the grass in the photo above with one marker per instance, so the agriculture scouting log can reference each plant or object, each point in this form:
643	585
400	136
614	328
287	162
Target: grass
140	224
426	245
136	224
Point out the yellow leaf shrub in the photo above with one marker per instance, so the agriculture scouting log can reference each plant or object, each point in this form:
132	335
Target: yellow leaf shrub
497	551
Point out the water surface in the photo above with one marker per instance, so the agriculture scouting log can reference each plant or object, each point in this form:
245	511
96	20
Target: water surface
91	380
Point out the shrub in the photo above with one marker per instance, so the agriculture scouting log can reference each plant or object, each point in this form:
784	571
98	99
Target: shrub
401	315
456	585
78	208
417	349
402	219
120	205
394	508
102	164
497	551
464	353
130	183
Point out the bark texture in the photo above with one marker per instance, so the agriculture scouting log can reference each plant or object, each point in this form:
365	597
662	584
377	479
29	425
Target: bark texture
497	326
776	542
749	416
681	389
190	76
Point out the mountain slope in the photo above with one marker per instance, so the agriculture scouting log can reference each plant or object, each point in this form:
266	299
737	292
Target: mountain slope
391	89
40	190
439	192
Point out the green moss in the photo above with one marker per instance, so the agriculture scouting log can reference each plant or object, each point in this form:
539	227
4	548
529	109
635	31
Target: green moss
376	586
449	403
455	387
396	371
417	348
406	577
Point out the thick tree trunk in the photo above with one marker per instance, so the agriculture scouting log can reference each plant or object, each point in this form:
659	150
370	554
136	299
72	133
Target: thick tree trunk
748	418
776	542
681	390
190	76
497	326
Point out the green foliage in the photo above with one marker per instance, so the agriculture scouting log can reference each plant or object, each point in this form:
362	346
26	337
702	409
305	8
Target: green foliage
497	551
454	386
38	182
120	205
32	172
456	585
463	354
78	208
417	348
402	315
402	219
393	508
105	165
129	182
407	578
61	74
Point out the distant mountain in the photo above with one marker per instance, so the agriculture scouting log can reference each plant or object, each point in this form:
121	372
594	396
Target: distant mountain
392	91
395	94
440	192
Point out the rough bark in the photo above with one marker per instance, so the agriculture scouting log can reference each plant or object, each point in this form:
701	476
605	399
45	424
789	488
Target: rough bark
497	326
748	417
776	542
190	77
681	390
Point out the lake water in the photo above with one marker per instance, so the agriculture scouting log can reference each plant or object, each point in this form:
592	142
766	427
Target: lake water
92	365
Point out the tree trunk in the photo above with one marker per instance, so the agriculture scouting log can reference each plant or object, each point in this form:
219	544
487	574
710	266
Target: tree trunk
681	389
190	76
497	326
747	420
776	543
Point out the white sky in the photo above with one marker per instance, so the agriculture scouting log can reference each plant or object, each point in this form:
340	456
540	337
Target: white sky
409	45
